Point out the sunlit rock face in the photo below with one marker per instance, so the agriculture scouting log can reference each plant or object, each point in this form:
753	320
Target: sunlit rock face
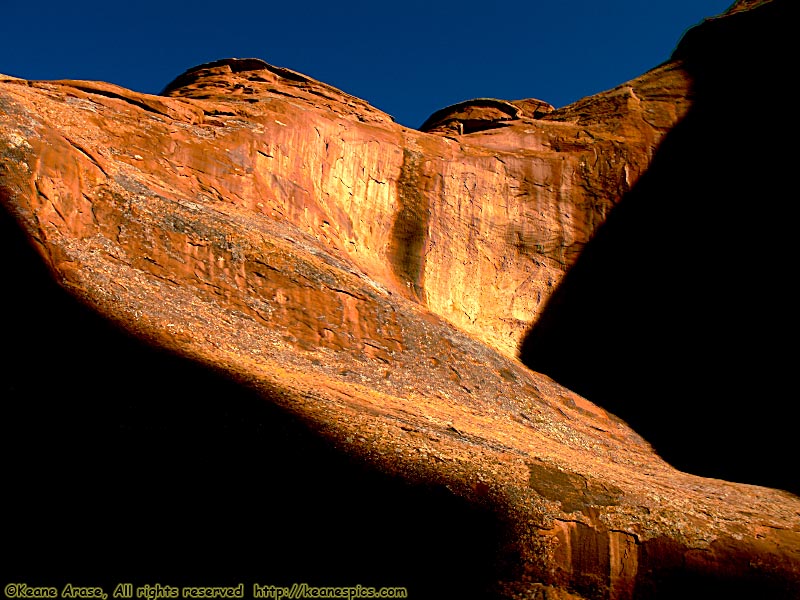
401	357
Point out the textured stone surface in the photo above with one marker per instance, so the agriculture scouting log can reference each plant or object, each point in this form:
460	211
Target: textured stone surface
373	285
481	114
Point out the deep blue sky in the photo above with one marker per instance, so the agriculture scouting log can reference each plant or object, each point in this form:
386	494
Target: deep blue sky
408	58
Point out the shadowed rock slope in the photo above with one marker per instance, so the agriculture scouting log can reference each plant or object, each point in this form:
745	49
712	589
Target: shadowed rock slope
691	270
261	333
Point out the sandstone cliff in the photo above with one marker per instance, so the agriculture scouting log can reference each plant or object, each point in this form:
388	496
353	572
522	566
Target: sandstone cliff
317	344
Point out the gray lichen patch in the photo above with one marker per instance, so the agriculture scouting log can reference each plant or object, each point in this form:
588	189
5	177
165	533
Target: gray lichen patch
574	491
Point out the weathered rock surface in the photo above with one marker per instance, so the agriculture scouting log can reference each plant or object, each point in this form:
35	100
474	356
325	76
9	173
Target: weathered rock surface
375	285
480	114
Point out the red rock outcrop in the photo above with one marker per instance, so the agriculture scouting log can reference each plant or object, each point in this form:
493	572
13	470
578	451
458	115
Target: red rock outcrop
377	283
480	114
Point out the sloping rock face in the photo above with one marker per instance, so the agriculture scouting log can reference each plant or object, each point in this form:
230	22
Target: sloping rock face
293	329
668	268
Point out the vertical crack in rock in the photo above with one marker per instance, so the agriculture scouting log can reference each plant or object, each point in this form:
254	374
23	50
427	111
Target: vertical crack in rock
409	235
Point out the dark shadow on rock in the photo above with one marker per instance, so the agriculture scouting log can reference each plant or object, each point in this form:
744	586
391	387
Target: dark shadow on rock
123	463
681	315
